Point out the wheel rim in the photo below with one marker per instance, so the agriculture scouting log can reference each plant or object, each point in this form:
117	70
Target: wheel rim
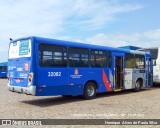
90	90
137	84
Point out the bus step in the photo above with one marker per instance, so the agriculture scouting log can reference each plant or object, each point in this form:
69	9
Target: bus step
117	90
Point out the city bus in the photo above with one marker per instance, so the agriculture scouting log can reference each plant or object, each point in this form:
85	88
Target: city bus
48	67
3	70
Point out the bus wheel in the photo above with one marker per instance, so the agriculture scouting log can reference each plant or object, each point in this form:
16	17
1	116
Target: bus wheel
89	91
138	85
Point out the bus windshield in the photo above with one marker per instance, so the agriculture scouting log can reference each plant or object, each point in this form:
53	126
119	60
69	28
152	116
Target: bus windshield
20	49
3	68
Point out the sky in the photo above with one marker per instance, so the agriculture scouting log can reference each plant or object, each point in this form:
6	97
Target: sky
102	22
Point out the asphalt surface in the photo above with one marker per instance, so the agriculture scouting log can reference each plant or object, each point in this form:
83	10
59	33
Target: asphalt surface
116	105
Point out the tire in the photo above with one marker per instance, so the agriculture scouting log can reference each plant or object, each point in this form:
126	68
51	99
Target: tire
89	91
138	86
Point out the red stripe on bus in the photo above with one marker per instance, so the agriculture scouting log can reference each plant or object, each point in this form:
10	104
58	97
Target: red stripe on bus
106	81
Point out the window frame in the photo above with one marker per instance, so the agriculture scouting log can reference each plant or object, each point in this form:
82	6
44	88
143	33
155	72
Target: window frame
105	65
79	52
141	58
43	48
133	61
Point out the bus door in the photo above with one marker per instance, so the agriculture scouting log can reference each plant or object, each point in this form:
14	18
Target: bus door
118	73
150	72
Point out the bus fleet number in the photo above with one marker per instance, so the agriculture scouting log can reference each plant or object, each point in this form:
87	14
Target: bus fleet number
52	74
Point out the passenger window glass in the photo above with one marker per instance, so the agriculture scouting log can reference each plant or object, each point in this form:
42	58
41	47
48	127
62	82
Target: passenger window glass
140	61
109	59
98	58
130	61
134	61
78	57
52	55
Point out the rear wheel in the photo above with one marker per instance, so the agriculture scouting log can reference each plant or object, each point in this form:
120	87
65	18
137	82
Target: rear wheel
89	91
138	85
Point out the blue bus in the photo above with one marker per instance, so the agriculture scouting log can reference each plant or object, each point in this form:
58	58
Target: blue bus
47	67
3	70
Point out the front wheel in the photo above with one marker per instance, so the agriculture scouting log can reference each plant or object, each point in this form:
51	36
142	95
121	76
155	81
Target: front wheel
137	86
89	91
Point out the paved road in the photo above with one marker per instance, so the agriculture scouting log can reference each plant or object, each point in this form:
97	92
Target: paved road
119	105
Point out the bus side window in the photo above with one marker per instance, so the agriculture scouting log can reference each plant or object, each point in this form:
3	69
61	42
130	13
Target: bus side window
130	61
52	55
140	61
109	59
78	57
98	58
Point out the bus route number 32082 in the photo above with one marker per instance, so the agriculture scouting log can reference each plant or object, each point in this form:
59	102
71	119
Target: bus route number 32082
54	74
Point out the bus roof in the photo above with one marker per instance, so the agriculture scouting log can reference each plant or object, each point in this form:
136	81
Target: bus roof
130	47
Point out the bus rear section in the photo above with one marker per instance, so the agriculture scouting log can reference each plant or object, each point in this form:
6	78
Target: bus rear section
3	70
20	71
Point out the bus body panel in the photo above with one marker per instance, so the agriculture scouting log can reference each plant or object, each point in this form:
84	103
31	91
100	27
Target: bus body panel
18	73
67	80
51	80
21	70
132	75
70	83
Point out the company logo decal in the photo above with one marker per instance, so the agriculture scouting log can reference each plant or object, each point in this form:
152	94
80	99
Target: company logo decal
19	69
76	74
76	71
23	75
11	67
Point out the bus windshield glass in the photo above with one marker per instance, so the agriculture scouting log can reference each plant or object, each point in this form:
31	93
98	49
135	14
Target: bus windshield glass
20	49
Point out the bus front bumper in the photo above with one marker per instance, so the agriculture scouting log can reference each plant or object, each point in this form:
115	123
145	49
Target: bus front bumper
30	90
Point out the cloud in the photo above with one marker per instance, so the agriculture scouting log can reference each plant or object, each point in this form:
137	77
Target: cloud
96	15
152	35
150	38
26	18
51	18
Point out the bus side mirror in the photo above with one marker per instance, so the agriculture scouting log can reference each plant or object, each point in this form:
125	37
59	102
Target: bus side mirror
154	62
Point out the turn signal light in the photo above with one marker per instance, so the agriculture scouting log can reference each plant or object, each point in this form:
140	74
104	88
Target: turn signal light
30	78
